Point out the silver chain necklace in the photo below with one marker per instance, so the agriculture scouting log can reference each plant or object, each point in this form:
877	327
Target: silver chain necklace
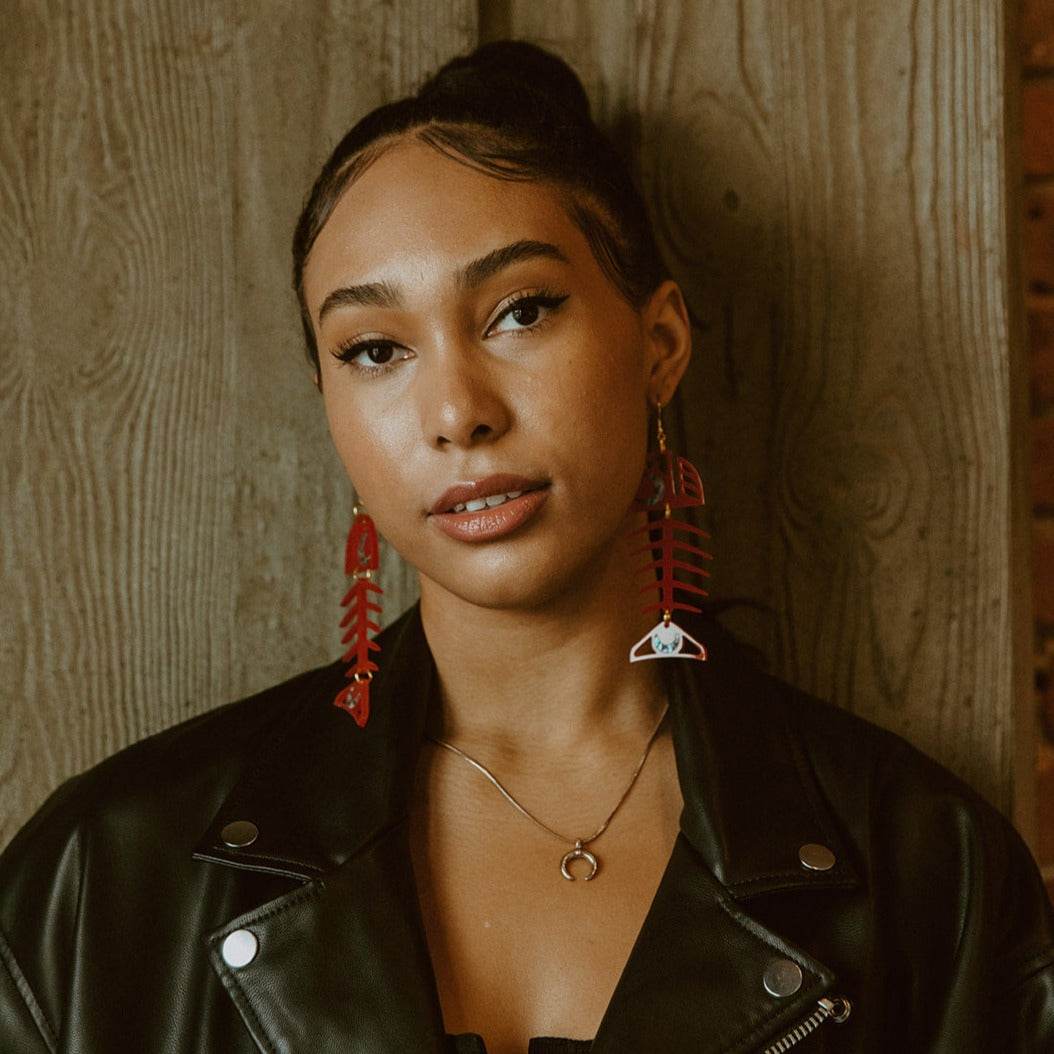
578	850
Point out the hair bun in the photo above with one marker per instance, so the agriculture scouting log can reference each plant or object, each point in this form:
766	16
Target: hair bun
512	112
512	66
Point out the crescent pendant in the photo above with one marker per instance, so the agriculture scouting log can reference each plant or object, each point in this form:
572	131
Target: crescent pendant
578	853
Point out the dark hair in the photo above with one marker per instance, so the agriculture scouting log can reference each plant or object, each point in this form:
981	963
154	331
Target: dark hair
515	112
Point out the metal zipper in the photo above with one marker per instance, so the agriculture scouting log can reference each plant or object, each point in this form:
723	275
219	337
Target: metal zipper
836	1010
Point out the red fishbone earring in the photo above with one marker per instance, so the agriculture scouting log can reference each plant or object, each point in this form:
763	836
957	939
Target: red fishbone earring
360	561
669	483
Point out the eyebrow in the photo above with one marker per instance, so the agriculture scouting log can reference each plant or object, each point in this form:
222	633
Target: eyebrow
473	274
478	271
369	294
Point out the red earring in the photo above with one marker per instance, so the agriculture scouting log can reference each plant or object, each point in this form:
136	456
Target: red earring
670	483
360	560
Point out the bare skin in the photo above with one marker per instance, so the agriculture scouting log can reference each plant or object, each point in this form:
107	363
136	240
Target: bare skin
518	950
448	360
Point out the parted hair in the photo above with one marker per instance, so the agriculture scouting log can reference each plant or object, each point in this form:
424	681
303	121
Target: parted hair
515	112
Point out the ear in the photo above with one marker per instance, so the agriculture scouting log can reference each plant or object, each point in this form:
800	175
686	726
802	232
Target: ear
668	333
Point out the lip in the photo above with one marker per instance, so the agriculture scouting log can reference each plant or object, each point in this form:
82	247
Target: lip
492	522
499	483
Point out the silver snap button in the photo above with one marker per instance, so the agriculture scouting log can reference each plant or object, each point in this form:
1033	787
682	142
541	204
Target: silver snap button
239	948
239	834
782	978
815	857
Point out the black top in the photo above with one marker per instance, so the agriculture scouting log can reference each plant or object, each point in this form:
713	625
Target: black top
470	1043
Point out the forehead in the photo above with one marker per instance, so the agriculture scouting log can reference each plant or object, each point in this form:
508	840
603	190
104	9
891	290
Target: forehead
415	211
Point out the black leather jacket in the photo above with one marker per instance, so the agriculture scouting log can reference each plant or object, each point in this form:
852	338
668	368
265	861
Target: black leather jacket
117	899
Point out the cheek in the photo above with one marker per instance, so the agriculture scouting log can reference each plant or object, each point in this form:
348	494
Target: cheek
605	434
352	435
340	424
375	446
608	402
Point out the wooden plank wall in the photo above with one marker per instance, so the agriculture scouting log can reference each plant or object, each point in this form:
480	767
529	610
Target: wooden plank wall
171	514
829	183
828	180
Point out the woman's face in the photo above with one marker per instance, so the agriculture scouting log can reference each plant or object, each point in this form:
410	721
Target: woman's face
486	387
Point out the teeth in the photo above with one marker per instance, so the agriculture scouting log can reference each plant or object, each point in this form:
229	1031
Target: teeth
478	504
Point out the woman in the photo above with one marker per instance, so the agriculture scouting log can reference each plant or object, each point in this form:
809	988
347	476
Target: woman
505	829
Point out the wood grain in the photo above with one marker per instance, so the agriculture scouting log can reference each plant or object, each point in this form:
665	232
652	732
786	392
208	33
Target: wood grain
828	181
893	432
171	516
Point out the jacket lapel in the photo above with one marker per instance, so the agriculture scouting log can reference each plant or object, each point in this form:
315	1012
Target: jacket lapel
751	798
695	981
342	962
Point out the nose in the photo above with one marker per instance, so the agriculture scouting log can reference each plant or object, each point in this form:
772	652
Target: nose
462	402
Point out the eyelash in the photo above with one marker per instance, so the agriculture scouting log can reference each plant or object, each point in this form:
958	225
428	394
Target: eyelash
545	299
348	352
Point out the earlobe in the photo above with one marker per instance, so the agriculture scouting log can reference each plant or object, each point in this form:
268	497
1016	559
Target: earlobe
668	331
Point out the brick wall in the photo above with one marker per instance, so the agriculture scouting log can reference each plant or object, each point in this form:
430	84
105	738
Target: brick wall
1037	39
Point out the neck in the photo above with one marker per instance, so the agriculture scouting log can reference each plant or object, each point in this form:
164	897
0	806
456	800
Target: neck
552	678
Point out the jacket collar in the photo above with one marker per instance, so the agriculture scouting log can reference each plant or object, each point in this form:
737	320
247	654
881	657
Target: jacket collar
751	799
330	801
323	788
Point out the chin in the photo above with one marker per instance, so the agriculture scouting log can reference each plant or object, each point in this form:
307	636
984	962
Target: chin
498	596
541	585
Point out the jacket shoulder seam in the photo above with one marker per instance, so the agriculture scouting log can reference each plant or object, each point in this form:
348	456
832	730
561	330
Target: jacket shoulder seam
14	971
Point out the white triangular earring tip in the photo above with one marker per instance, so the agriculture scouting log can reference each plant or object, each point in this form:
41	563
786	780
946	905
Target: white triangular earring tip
666	640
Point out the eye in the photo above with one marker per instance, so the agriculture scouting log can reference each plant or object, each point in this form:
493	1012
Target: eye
524	312
371	355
